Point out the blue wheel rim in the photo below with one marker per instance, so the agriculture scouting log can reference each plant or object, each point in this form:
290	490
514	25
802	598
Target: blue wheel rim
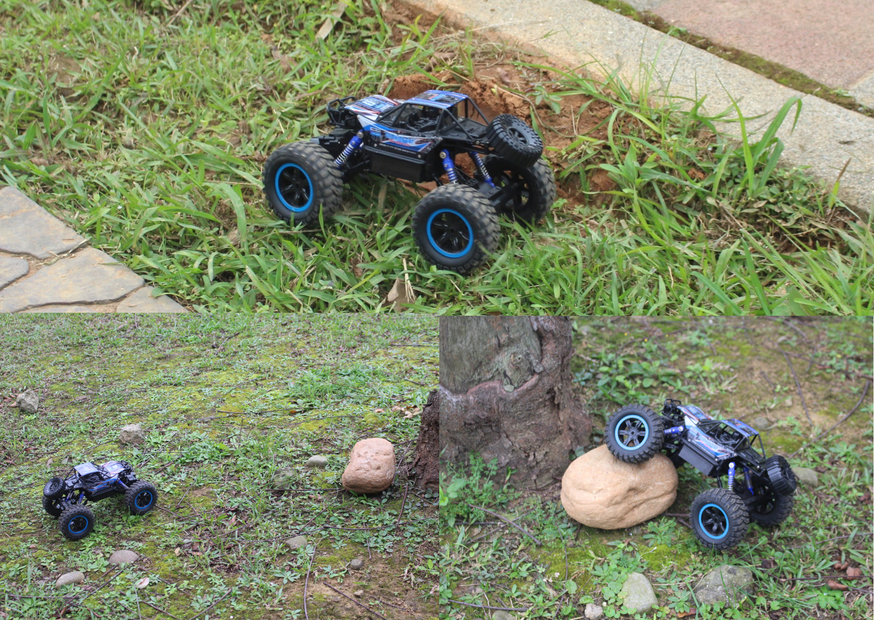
293	185
78	520
632	432
449	233
712	519
138	500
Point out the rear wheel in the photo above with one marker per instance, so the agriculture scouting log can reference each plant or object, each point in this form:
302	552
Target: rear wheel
53	506
719	518
456	228
533	187
773	510
301	178
634	434
76	522
780	474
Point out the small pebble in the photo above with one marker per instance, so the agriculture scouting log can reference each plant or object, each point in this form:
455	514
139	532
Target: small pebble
123	556
356	564
297	542
68	578
358	593
317	461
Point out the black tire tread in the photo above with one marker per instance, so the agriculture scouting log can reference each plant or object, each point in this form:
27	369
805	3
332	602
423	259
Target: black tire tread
57	484
326	177
71	511
502	144
775	465
131	494
657	427
480	208
781	511
48	504
735	509
542	188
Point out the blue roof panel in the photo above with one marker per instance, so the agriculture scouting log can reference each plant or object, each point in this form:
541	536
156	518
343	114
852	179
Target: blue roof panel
438	98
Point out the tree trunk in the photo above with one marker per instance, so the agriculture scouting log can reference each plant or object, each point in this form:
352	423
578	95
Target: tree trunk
428	448
506	392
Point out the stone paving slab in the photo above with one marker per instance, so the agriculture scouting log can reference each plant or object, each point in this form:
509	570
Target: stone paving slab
27	228
831	41
577	33
46	267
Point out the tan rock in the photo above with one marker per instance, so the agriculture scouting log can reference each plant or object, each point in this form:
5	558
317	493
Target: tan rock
371	467
601	491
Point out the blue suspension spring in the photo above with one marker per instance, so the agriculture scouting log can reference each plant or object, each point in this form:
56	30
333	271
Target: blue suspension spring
354	143
482	168
449	166
675	430
749	481
730	476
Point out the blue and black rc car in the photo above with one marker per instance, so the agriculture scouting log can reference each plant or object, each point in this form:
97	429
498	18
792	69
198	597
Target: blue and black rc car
420	140
758	488
66	499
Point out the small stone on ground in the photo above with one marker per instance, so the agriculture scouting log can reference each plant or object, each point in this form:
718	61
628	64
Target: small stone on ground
637	593
298	542
317	461
73	577
502	615
358	593
284	478
123	556
356	564
721	585
371	467
593	612
132	433
761	423
27	402
808	477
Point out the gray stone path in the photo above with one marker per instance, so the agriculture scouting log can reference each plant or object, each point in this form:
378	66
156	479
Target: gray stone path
47	267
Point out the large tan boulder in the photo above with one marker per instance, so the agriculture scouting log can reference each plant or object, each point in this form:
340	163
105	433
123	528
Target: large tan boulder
371	467
601	491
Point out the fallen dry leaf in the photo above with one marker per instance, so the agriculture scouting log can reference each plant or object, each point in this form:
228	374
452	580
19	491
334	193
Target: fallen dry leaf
854	571
834	585
142	583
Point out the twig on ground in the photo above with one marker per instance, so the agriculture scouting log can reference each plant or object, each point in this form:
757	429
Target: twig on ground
306	583
211	606
356	602
521	529
861	398
797	385
488	606
178	13
163	611
403	503
765	376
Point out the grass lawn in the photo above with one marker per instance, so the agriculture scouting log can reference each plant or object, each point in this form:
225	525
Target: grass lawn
730	368
145	124
233	407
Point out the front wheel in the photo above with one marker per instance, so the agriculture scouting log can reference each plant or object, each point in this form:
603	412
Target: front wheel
141	498
773	510
456	228
533	187
300	178
76	522
719	518
634	434
781	476
511	137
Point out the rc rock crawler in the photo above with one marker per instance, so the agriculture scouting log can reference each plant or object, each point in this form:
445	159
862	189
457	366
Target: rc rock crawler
759	488
65	498
421	139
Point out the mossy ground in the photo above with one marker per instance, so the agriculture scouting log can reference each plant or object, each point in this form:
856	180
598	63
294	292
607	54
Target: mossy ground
733	368
226	401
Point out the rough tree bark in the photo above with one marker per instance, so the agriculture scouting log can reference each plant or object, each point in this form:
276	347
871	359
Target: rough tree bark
428	449
506	392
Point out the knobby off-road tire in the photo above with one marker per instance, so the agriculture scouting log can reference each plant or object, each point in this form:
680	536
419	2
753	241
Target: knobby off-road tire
511	138
634	434
76	522
780	474
141	498
535	185
52	506
719	518
456	227
299	179
774	511
54	488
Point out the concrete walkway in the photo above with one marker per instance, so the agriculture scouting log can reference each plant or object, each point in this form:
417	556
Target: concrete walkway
46	267
574	32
